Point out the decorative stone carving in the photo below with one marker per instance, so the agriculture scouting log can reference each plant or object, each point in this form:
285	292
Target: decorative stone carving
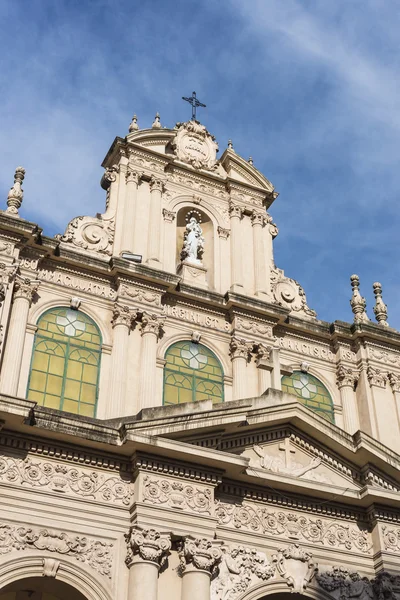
156	123
168	215
296	566
123	315
59	477
394	381
235	210
240	568
380	308
357	302
201	553
344	584
240	348
262	352
376	377
273	228
50	567
285	465
177	494
156	184
258	218
254	327
133	124
147	544
223	233
140	294
305	366
289	294
25	288
151	323
7	274
132	176
346	377
194	145
193	241
293	526
90	233
6	247
16	193
391	538
95	553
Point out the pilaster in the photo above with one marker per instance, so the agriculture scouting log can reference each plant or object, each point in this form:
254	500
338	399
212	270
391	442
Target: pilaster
150	327
123	317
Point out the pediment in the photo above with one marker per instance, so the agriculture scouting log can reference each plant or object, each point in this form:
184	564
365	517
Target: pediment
242	171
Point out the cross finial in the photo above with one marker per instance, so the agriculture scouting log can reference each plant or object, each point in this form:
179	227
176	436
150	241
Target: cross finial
195	103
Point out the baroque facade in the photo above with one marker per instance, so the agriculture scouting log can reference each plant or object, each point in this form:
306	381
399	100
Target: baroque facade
176	422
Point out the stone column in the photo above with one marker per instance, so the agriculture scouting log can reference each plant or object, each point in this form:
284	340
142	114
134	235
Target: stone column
123	317
239	350
199	557
236	214
154	239
151	326
147	552
132	183
258	221
24	290
263	355
276	373
346	379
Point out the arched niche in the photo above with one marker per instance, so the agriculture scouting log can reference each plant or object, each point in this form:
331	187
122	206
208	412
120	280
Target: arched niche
207	226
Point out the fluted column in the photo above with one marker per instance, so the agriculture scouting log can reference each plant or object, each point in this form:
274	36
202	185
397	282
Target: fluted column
199	557
154	239
132	183
147	551
123	317
151	326
239	351
24	291
258	221
236	213
346	379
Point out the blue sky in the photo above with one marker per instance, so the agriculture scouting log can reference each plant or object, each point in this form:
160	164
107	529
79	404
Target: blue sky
308	88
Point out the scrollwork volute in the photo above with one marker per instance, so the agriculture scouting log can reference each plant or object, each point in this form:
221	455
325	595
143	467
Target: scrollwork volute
90	233
147	544
200	553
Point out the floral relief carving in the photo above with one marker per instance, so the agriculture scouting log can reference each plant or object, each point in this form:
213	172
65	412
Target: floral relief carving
201	553
151	323
25	288
177	494
255	327
147	544
342	584
59	477
90	233
293	526
95	553
391	538
384	356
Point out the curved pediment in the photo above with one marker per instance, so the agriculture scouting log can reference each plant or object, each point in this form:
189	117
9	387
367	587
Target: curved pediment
243	171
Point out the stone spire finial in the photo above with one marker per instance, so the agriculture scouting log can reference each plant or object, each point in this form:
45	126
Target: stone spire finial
134	124
230	146
156	122
16	193
380	308
357	302
250	161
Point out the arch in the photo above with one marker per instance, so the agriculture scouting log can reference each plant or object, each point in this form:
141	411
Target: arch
192	372
311	392
84	579
282	590
65	364
186	201
164	344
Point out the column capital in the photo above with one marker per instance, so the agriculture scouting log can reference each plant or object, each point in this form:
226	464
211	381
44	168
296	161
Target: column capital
169	215
235	210
151	323
200	553
156	184
123	315
258	218
147	544
346	377
240	348
394	381
223	233
262	352
25	288
132	176
376	377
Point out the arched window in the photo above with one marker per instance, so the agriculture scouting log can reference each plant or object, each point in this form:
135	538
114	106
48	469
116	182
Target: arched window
192	373
66	362
311	392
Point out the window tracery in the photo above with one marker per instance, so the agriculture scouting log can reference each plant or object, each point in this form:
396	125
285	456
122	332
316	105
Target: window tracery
311	392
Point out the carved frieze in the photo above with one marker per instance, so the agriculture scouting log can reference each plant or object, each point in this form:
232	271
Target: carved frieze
177	494
344	584
61	478
383	355
303	346
95	553
139	294
195	317
285	464
253	326
292	525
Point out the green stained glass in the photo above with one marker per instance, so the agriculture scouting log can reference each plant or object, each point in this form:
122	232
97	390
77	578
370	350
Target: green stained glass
311	392
66	362
192	372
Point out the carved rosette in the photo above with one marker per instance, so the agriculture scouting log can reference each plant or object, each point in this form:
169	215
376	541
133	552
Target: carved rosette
376	377
296	566
147	544
200	553
168	215
123	315
25	288
240	348
394	381
346	377
151	323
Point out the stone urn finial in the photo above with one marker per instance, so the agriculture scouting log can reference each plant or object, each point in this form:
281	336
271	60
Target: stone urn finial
357	302
156	123
134	124
16	193
380	308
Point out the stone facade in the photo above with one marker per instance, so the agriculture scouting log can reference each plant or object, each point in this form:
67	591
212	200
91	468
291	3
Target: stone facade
277	472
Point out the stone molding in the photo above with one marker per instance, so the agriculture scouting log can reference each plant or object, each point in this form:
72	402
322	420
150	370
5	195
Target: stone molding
151	323
123	315
177	494
96	553
291	525
296	566
346	377
147	544
59	477
25	288
181	471
200	553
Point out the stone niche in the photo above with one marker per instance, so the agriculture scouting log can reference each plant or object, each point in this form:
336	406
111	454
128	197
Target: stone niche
208	258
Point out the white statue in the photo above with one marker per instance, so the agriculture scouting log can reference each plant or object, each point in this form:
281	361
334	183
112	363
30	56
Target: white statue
193	245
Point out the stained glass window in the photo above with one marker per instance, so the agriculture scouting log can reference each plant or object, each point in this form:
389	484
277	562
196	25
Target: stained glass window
192	373
66	362
311	392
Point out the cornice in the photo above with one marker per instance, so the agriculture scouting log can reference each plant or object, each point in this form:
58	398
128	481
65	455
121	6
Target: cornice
272	311
181	470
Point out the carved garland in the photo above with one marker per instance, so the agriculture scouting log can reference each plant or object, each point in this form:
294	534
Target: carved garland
177	494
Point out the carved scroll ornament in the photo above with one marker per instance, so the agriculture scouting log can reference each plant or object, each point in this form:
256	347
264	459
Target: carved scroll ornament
90	233
289	294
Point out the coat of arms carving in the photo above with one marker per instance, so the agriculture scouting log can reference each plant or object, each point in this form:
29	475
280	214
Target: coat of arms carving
194	145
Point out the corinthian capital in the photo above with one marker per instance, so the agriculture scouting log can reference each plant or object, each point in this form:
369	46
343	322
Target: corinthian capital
151	323
394	381
240	348
147	544
258	218
346	377
123	315
235	210
132	176
25	288
376	377
201	553
156	184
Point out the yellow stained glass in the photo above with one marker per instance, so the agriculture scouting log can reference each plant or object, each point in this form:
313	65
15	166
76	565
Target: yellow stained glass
65	362
311	392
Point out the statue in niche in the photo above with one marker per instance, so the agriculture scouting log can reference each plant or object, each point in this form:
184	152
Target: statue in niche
193	243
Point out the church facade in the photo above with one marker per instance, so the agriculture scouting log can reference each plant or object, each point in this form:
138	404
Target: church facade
176	422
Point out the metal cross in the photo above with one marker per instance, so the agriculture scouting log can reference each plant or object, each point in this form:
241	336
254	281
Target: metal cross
195	104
